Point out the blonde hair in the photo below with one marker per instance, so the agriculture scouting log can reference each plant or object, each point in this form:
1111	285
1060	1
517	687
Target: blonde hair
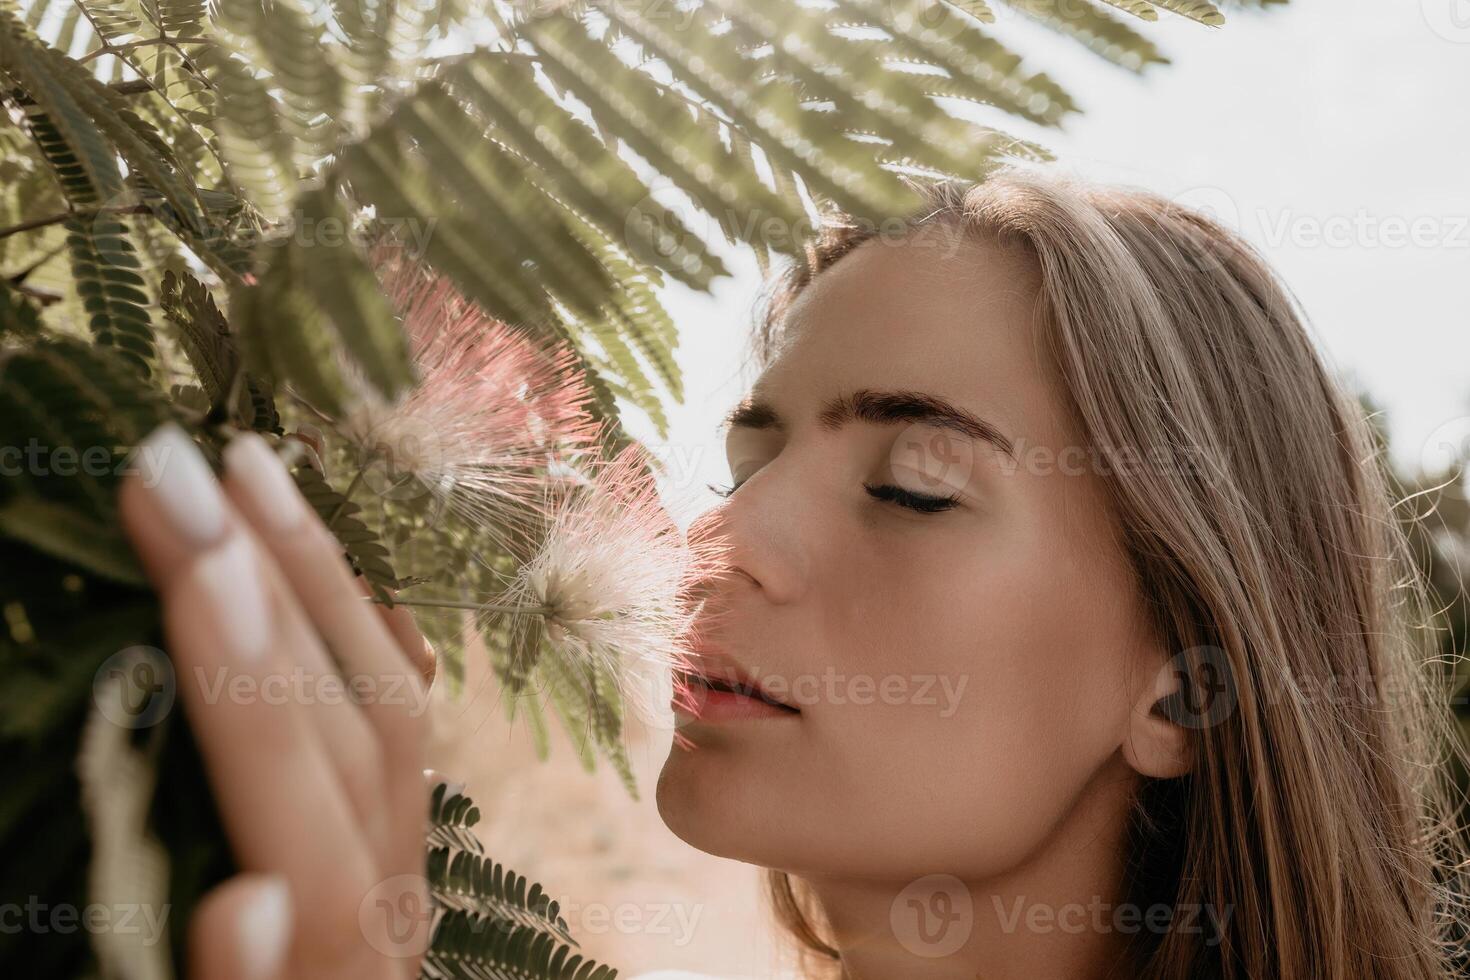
1269	550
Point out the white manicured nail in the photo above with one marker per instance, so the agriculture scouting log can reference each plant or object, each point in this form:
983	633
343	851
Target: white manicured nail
230	578
183	484
265	929
452	787
251	461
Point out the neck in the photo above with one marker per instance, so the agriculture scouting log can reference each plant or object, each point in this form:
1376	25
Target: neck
1055	916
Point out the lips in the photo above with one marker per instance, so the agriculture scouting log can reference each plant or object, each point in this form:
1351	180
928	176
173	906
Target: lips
718	672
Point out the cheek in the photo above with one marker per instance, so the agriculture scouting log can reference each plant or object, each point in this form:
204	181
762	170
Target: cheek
1006	668
967	690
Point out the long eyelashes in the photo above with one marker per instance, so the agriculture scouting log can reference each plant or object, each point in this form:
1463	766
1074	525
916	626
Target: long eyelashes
922	503
919	502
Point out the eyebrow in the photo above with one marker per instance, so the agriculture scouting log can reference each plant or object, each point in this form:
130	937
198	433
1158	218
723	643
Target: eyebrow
880	408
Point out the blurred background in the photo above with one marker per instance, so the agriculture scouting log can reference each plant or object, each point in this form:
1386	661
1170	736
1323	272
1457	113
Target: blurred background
1329	134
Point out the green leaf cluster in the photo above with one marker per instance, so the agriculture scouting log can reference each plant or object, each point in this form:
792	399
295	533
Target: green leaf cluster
190	196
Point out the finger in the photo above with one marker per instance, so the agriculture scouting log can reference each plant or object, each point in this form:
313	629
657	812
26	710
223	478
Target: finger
242	930
433	778
310	558
308	673
390	691
404	626
279	799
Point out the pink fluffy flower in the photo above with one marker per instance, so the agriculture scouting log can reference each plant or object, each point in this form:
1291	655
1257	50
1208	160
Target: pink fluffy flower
491	410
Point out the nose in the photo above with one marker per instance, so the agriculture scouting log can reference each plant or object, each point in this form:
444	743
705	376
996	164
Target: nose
756	540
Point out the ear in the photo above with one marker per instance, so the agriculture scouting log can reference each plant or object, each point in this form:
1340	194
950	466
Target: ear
1155	745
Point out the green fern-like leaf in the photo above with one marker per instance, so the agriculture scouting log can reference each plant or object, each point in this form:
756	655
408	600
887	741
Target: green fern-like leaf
568	161
285	336
492	922
451	821
336	276
707	63
469	947
259	154
114	20
179	18
87	150
210	347
401	185
75	183
586	699
72	535
683	143
468	882
1202	11
73	412
363	546
284	38
1142	9
150	159
564	267
18	318
202	331
1104	34
108	279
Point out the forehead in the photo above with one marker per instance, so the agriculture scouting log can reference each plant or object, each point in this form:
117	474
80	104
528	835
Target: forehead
948	315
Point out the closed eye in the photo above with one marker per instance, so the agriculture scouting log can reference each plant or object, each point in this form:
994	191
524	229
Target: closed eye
887	492
922	503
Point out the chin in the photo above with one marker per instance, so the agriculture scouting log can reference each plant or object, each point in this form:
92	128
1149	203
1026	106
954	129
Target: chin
703	805
708	806
684	804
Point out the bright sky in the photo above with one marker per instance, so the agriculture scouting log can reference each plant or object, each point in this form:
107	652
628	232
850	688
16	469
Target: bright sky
1331	134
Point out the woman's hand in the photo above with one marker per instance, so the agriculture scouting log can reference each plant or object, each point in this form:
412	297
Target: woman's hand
308	712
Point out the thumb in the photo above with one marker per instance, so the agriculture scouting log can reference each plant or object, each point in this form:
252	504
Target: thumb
242	930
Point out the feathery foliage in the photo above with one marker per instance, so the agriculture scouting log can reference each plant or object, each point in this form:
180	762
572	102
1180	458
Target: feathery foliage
190	196
493	922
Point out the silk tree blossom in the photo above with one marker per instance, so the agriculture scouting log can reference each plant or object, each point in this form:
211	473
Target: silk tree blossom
492	407
608	587
498	429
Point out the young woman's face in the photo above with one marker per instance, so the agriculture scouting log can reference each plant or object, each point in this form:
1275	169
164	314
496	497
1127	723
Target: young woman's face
965	674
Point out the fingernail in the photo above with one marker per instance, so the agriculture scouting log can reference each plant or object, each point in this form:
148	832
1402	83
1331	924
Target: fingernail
231	581
181	481
452	787
265	929
262	475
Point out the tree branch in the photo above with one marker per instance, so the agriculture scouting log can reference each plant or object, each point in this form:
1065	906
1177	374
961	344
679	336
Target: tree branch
56	219
135	87
122	49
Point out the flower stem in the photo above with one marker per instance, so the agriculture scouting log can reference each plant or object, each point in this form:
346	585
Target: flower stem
347	494
455	604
